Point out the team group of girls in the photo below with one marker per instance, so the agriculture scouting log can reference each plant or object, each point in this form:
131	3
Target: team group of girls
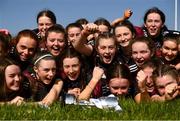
90	60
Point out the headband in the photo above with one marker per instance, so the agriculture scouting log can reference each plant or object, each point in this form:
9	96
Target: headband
46	55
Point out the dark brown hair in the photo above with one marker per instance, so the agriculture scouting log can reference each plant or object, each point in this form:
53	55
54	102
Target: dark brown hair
120	71
127	24
166	70
105	36
103	21
148	41
4	63
47	13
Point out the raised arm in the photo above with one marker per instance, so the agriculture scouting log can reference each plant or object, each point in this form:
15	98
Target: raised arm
127	15
86	93
81	44
143	95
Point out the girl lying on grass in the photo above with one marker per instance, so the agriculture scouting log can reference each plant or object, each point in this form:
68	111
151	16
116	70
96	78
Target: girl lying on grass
159	81
120	83
45	87
73	73
12	89
166	81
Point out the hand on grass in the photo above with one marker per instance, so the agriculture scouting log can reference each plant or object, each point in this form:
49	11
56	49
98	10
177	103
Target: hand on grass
17	100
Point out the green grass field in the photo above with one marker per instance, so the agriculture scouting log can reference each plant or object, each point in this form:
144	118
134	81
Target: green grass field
131	110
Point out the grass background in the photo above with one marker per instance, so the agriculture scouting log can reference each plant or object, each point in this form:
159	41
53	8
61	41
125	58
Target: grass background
131	111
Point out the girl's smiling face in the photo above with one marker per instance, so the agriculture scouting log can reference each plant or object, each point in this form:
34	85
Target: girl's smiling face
123	35
72	67
169	50
140	53
119	86
106	50
13	77
45	70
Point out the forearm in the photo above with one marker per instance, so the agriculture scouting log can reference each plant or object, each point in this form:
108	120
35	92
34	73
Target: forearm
53	93
81	44
142	97
127	14
117	21
86	93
